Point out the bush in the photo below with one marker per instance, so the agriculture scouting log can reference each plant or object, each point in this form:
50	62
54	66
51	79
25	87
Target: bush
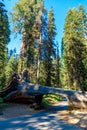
1	100
51	99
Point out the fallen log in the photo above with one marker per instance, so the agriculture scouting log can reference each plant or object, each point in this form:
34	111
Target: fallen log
76	99
23	91
10	88
11	93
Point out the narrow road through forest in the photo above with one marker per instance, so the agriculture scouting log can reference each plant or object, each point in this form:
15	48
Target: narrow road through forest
48	119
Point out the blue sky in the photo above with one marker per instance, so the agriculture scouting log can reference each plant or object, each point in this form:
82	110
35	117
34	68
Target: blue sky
60	8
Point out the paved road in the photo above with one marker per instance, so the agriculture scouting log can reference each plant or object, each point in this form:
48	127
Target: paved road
44	120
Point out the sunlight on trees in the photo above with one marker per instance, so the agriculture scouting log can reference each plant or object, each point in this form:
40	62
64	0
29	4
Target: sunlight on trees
39	52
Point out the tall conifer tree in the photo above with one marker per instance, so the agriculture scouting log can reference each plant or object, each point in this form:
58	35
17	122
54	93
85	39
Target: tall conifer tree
4	39
74	49
50	46
30	24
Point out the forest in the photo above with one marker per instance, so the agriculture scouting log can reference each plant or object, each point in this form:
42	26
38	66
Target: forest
39	52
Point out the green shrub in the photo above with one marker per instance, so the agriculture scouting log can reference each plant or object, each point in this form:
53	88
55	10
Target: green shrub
51	99
1	100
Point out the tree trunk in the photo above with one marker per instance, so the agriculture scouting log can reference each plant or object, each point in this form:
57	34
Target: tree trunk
38	63
38	69
76	99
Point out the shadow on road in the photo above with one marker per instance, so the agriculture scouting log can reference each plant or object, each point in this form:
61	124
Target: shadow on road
39	121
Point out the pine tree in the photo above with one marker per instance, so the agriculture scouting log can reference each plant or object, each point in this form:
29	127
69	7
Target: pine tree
4	39
74	49
58	84
10	69
49	47
62	47
84	19
39	28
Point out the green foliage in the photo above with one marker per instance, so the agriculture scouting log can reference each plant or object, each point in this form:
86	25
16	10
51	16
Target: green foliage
38	33
4	39
28	21
74	48
1	100
51	99
50	47
63	75
11	68
3	105
38	45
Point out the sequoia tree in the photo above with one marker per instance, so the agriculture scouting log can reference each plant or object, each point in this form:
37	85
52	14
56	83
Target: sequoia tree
27	19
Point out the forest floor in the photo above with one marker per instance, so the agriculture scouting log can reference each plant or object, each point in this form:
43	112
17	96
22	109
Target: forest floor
75	117
78	118
16	110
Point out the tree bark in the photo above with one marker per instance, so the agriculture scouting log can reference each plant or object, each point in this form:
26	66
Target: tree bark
23	90
76	99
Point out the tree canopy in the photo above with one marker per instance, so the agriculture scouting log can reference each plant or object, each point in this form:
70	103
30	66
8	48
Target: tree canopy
39	52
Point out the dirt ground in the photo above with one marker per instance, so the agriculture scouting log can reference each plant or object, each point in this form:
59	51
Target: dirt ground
75	117
15	110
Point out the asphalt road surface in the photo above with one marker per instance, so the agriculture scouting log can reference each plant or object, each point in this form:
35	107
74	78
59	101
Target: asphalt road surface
44	120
